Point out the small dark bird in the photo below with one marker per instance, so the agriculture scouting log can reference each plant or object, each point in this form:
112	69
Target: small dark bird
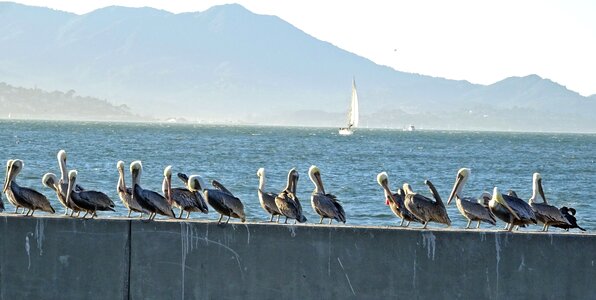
569	213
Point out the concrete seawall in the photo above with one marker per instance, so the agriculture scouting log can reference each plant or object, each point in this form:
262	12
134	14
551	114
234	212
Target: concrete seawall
54	257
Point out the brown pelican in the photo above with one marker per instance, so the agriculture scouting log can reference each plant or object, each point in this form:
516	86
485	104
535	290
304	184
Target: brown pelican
187	199
223	201
545	213
24	197
287	202
425	208
511	210
569	213
472	209
396	201
324	204
63	185
89	201
267	199
150	201
126	193
51	181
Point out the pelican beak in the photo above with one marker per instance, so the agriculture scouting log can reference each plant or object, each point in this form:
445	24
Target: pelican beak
69	189
388	195
320	181
169	189
541	190
7	179
458	182
500	200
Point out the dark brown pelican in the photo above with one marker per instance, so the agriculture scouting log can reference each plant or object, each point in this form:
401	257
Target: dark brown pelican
189	199
89	201
324	204
125	193
24	197
472	209
511	210
223	201
425	208
287	202
267	199
569	213
545	213
396	201
150	201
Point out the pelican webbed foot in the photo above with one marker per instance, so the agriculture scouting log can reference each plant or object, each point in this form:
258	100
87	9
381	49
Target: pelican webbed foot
469	222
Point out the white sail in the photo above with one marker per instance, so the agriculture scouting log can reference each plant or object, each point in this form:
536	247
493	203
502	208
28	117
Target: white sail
353	114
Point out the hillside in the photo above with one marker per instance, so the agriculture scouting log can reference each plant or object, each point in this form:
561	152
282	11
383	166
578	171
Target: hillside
227	64
33	103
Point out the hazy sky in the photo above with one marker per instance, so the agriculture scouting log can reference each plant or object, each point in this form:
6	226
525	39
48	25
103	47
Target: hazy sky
479	41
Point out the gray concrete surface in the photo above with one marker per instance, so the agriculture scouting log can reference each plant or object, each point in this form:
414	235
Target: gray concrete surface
203	260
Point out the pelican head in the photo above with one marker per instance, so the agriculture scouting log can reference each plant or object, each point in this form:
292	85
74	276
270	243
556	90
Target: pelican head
120	166
261	172
62	164
292	180
484	198
61	155
167	183
460	181
407	188
50	180
537	187
72	178
167	172
13	167
315	176
383	181
194	183
498	198
136	168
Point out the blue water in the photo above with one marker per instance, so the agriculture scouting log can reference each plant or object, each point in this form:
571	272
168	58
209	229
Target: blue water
349	165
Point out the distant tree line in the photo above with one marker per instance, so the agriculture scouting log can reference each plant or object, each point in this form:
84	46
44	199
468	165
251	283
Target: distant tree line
34	103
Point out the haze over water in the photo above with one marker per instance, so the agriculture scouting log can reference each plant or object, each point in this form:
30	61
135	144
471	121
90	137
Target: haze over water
349	165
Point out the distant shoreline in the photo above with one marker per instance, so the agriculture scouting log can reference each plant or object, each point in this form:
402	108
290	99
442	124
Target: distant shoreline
216	124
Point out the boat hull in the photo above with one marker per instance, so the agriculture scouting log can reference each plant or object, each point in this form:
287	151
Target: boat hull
345	131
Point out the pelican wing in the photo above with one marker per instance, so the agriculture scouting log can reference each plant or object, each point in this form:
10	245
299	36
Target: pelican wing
97	199
220	187
476	211
225	204
154	200
185	198
289	206
327	207
548	214
521	208
34	198
268	202
426	209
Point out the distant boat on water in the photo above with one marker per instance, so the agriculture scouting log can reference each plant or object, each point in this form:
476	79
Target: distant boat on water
353	113
410	128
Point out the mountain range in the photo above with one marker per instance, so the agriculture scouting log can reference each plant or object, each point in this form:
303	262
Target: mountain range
227	64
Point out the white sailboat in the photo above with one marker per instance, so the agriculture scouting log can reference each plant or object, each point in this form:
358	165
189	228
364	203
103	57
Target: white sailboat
353	114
